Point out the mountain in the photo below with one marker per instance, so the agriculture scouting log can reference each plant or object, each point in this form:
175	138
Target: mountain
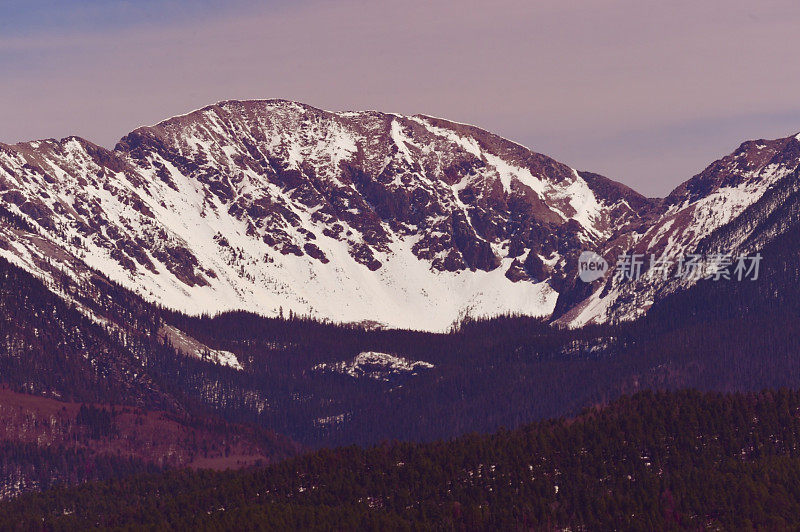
112	258
736	206
415	222
273	206
290	220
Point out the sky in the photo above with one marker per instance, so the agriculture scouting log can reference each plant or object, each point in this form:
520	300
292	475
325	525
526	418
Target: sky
647	93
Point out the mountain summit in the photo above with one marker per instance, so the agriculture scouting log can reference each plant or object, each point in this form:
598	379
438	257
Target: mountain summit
409	221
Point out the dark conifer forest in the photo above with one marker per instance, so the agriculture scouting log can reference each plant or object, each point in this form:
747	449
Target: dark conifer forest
651	461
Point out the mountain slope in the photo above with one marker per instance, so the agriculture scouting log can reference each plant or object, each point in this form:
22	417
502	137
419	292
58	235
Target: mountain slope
736	206
274	206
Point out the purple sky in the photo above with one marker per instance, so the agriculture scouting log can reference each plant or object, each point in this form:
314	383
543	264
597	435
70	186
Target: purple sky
645	92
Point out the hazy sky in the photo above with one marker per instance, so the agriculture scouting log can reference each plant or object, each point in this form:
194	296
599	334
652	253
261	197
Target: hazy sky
645	92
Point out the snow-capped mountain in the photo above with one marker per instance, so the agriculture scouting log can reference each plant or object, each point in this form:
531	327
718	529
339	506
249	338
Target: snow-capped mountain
274	206
406	221
733	207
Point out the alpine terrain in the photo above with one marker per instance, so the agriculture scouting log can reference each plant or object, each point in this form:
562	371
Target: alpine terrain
276	207
257	279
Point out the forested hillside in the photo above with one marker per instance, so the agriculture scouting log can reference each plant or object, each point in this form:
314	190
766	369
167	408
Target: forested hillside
651	461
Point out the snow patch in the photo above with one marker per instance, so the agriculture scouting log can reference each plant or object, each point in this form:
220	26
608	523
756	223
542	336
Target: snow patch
375	365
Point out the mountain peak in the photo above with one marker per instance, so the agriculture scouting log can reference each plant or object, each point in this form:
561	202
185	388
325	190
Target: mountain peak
268	204
412	221
752	162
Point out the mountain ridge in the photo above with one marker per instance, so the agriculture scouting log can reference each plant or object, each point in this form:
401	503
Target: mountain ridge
271	205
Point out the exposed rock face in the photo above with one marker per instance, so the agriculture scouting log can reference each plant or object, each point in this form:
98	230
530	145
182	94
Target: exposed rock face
413	221
410	221
734	206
